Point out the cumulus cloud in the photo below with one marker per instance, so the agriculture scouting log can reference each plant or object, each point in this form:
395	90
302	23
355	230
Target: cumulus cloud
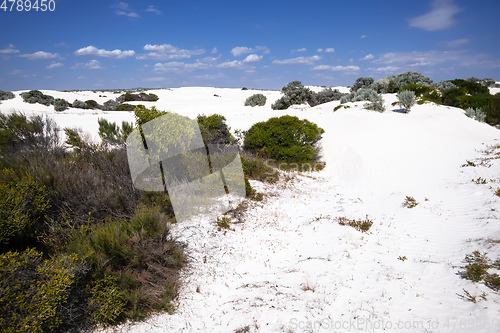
54	65
252	58
367	57
298	61
122	8
167	52
10	49
181	67
439	18
92	51
240	50
93	64
336	68
40	55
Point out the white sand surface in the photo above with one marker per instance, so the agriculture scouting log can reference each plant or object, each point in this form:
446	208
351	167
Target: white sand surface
290	267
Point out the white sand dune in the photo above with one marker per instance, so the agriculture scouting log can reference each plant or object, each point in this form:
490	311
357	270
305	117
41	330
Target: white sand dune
291	268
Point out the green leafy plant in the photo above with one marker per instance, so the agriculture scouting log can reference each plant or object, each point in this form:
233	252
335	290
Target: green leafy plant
256	100
60	104
36	96
362	82
286	138
5	95
477	266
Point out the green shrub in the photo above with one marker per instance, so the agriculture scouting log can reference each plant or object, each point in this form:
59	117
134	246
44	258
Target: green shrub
110	105
107	303
129	97
214	129
258	168
286	138
60	104
360	225
409	77
257	99
385	85
443	86
471	87
361	95
37	294
36	96
125	107
91	104
294	93
79	104
5	95
362	82
375	106
406	99
24	204
282	103
477	266
418	89
325	96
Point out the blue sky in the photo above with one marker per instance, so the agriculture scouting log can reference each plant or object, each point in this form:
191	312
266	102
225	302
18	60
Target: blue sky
258	44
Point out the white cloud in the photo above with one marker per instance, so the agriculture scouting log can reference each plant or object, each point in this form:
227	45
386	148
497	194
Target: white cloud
363	36
330	50
9	50
435	58
298	61
320	50
179	67
300	50
93	64
153	9
439	18
457	42
367	57
210	76
336	68
155	79
54	65
386	69
40	55
123	9
93	51
214	51
240	50
167	52
16	72
252	58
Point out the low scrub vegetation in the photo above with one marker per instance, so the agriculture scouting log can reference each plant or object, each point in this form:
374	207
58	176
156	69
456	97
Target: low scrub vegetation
256	100
406	99
410	202
5	95
79	245
295	93
477	269
142	97
363	94
360	225
36	96
284	139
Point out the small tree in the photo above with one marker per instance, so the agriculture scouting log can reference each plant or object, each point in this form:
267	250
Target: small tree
257	99
79	104
406	99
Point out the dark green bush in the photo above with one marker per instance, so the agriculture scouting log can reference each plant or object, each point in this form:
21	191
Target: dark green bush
418	89
91	104
282	103
125	107
286	138
129	97
36	96
477	266
471	87
256	100
110	105
214	129
60	104
5	95
443	86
